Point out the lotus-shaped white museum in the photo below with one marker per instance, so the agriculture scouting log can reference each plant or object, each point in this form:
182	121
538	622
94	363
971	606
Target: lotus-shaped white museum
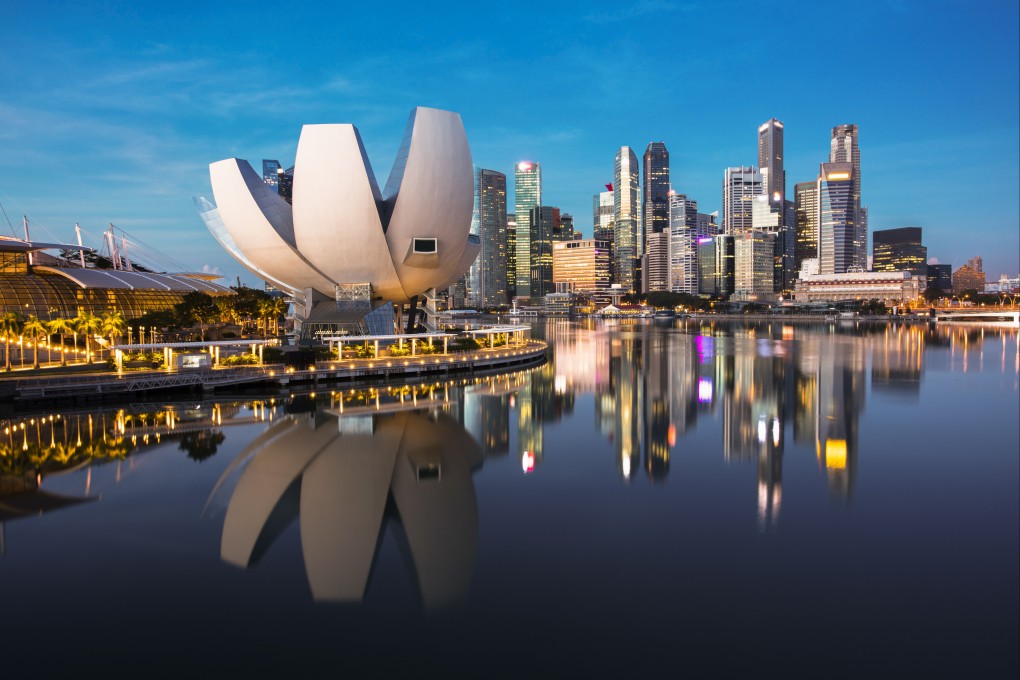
340	232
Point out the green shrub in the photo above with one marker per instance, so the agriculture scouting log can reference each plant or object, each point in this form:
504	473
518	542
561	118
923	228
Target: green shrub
241	360
396	350
364	351
427	348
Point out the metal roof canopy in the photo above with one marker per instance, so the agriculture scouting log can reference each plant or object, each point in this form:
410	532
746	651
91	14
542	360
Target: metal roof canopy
131	280
196	344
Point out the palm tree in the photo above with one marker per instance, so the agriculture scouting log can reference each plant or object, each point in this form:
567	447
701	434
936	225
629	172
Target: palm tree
113	324
63	327
10	326
87	323
34	328
278	307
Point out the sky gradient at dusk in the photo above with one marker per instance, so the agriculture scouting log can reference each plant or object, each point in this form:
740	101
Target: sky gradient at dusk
112	112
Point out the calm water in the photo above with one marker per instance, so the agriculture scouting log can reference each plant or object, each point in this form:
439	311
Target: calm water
661	498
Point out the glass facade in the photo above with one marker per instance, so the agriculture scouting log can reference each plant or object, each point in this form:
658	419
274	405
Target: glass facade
836	228
489	272
50	297
899	250
626	244
527	195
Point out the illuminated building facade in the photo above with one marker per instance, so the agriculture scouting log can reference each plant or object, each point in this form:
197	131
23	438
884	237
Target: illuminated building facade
626	220
837	249
753	262
490	269
683	255
527	195
940	276
968	278
544	222
584	265
893	287
806	217
740	186
511	255
899	250
655	215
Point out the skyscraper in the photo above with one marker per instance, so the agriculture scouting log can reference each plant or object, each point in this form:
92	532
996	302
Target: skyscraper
603	215
655	216
527	195
511	256
770	159
844	148
806	208
740	186
544	223
627	250
683	256
899	250
836	214
490	268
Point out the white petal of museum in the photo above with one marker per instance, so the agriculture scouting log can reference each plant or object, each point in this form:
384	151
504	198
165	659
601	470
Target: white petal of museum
341	229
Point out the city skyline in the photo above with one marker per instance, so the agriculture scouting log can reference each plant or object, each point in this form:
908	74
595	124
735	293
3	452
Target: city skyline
113	114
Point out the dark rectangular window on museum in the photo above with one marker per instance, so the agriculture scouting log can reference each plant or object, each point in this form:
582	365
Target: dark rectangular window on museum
425	245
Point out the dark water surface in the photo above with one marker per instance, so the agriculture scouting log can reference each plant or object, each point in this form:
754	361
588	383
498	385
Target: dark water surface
660	499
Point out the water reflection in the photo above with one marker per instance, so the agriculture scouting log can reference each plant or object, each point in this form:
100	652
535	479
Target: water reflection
350	477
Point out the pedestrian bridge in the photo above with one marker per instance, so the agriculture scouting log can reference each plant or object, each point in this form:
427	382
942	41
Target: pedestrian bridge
1010	317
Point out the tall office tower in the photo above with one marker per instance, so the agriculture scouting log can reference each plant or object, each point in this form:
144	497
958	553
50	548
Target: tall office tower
707	283
770	158
899	250
806	210
976	263
488	273
836	228
753	266
740	186
584	266
844	148
725	266
527	195
655	214
270	172
626	245
603	215
656	188
655	266
511	256
683	255
544	223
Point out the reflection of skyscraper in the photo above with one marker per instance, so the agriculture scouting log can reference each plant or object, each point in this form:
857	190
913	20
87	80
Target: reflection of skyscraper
841	385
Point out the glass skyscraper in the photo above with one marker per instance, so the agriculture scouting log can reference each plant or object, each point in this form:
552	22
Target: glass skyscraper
655	215
836	228
489	272
527	195
626	252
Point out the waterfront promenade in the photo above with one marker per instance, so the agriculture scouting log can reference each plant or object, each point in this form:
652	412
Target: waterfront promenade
110	385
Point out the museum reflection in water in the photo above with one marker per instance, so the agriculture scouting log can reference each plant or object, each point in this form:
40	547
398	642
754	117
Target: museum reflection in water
348	466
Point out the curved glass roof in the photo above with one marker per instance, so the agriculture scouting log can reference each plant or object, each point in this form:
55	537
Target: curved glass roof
119	279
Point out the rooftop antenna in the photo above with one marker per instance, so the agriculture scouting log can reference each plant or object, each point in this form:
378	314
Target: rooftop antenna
81	251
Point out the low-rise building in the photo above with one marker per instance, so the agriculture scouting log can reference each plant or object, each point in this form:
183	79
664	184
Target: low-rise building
886	286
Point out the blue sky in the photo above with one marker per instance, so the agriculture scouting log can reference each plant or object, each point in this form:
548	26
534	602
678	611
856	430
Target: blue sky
112	111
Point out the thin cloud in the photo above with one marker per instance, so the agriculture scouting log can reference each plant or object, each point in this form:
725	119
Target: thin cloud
637	10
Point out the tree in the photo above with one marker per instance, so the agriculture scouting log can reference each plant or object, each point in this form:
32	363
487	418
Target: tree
87	323
62	327
10	326
113	324
34	328
933	294
197	308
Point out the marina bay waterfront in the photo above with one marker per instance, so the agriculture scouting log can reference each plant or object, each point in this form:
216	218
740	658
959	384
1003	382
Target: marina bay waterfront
662	496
